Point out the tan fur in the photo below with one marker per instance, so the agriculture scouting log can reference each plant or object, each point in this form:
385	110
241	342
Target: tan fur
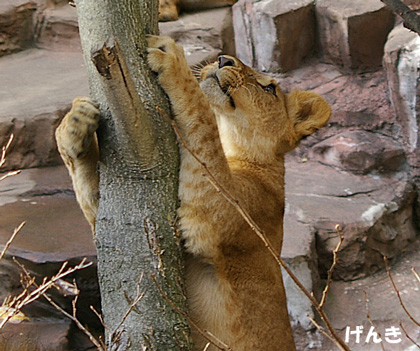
78	147
169	9
240	124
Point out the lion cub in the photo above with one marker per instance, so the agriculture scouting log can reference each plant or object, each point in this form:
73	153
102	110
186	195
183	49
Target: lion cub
169	9
240	124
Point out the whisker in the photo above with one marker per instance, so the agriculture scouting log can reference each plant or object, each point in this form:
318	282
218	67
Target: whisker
252	84
247	89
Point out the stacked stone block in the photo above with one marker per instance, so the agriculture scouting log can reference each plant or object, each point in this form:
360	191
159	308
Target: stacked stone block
273	35
352	33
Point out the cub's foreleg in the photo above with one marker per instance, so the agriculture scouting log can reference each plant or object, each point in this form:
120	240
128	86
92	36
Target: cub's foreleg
200	203
78	147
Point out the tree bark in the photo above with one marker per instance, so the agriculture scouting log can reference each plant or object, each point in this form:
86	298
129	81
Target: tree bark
138	178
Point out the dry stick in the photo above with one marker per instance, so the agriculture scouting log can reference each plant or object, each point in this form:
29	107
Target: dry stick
65	313
415	274
10	174
101	320
115	335
332	268
9	242
408	336
322	330
388	269
204	333
5	149
73	317
260	233
411	19
26	298
370	319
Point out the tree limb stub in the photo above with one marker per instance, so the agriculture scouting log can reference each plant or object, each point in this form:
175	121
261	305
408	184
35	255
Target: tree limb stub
411	19
132	121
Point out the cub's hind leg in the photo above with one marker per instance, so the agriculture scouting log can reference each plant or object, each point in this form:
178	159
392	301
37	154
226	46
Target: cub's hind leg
78	147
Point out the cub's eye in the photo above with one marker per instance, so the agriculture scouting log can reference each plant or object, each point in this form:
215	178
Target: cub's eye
270	88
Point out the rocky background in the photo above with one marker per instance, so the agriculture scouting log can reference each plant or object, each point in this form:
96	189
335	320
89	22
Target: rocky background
362	171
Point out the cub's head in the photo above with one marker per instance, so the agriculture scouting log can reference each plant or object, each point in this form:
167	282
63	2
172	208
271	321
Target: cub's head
255	117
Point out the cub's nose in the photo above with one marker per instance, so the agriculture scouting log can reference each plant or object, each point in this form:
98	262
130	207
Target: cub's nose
225	61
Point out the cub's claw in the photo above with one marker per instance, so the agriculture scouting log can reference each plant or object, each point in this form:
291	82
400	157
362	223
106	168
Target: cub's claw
164	54
76	131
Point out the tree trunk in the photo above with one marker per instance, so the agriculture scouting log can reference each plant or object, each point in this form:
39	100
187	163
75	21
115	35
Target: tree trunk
138	178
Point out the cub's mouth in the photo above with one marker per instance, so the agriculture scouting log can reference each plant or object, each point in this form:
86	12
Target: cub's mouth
224	88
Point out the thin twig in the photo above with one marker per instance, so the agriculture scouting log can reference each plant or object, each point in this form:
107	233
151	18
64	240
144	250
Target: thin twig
25	298
115	335
332	268
370	319
408	336
204	333
101	320
322	330
76	321
65	313
415	274
9	242
10	174
5	149
258	231
388	269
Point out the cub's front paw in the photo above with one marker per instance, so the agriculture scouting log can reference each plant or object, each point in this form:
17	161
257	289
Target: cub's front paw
164	54
75	133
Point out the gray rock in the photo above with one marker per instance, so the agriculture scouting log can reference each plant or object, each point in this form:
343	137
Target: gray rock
402	64
346	304
16	25
360	152
299	253
59	29
204	35
40	87
375	214
55	232
48	335
352	33
273	35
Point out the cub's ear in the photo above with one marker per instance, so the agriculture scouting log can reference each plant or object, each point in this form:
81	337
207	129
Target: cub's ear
308	111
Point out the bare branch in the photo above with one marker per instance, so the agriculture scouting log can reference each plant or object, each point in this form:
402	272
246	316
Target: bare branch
76	321
26	297
10	174
415	274
370	319
322	330
9	242
57	307
115	335
388	269
5	149
411	19
332	268
408	336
